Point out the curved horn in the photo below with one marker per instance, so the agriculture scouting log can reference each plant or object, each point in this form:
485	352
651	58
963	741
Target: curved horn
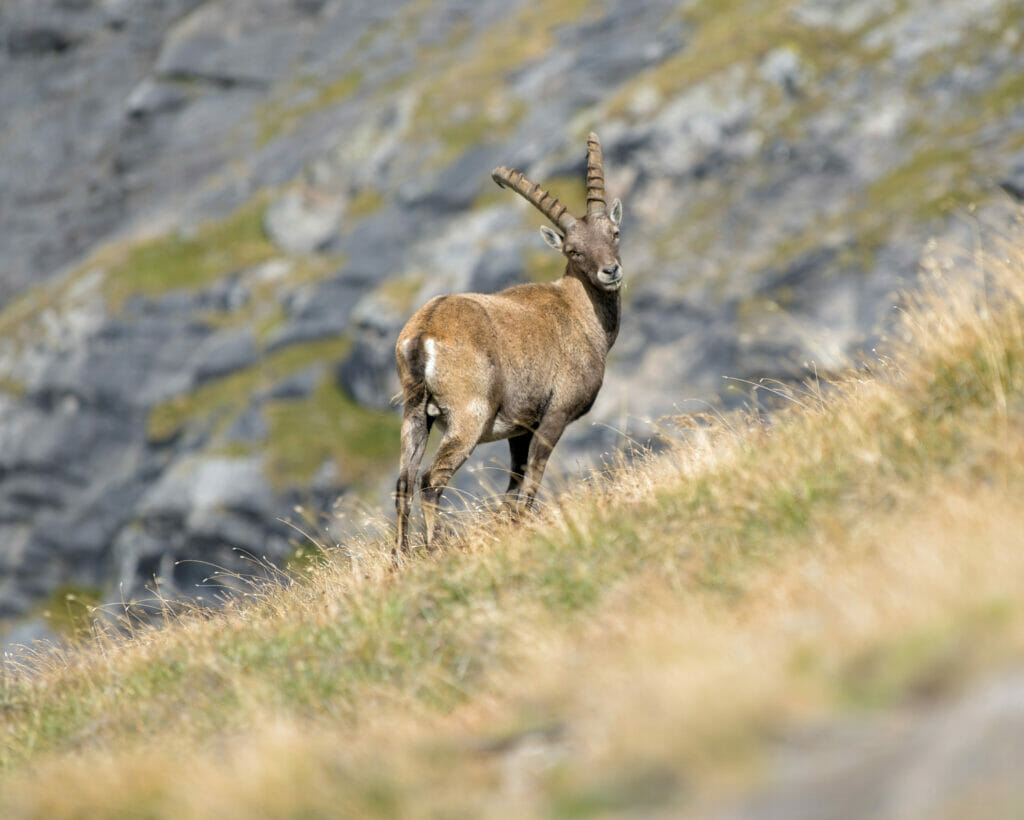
595	176
535	195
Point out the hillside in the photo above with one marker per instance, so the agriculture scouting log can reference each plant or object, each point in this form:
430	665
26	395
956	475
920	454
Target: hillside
764	618
216	214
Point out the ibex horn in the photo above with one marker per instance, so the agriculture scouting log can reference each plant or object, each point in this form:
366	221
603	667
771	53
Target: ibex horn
537	196
595	176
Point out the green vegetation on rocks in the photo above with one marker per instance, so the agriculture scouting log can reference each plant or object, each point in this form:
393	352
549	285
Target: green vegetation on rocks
154	266
303	432
328	427
465	103
215	404
302	99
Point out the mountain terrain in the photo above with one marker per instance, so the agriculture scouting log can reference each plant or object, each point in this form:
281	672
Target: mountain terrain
815	613
215	215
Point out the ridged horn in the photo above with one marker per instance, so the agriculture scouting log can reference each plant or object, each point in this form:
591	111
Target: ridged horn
595	176
535	195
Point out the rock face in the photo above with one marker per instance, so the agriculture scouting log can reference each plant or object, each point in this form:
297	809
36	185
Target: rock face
215	216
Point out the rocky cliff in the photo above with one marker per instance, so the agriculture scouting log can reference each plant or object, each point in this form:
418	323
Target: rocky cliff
216	214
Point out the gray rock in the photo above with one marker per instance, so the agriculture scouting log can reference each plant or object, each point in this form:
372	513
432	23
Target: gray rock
128	363
303	221
151	97
1013	180
842	16
39	40
497	270
249	428
633	37
320	311
368	372
706	125
225	353
199	483
299	385
307	330
24	637
203	518
232	43
66	91
784	68
457	186
223	527
370	250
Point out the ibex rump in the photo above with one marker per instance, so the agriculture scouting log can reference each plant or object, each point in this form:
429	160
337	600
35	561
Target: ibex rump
518	365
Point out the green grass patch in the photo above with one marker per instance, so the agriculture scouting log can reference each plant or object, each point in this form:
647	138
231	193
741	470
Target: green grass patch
934	182
465	104
367	201
400	291
12	387
217	403
69	610
155	266
926	663
263	310
328	426
738	33
282	116
544	265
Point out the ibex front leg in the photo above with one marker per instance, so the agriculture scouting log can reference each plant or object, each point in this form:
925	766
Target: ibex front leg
541	445
519	449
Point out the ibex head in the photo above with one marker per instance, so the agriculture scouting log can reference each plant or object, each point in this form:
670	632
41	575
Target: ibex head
591	244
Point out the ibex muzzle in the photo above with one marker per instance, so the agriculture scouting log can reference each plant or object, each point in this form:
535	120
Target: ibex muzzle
518	365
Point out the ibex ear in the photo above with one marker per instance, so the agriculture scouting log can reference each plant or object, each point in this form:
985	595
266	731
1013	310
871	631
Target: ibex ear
552	237
615	214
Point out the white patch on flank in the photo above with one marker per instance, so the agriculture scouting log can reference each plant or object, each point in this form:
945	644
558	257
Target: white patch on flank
430	370
433	409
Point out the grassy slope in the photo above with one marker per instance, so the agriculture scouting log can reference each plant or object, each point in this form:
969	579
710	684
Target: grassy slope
639	643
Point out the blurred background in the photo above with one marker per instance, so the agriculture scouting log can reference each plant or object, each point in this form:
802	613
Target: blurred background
215	216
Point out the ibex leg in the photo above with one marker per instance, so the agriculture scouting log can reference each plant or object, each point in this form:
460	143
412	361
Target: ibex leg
519	448
415	431
544	441
452	453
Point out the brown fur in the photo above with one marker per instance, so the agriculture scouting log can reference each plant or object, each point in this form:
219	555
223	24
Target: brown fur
520	364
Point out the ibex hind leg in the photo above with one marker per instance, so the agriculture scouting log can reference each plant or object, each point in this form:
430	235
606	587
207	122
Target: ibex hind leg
415	432
452	453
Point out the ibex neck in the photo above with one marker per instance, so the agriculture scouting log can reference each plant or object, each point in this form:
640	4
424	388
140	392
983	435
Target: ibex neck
602	308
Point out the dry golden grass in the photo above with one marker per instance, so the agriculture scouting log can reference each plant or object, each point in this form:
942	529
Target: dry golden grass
635	647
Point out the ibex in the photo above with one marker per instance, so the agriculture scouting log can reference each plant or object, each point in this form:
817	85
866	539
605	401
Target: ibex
518	365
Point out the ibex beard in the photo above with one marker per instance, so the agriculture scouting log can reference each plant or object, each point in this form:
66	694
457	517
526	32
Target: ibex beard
517	365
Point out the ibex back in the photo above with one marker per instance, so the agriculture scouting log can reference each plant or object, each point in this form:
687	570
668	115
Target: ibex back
518	365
